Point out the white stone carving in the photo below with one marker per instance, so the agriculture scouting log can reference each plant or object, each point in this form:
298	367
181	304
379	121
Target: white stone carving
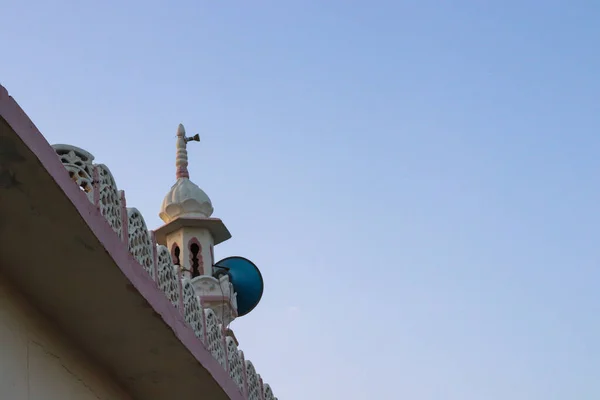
191	309
109	199
78	163
269	393
218	295
214	336
207	285
167	275
236	367
139	240
253	382
185	200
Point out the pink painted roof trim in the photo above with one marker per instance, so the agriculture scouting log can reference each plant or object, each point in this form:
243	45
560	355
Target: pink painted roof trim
32	137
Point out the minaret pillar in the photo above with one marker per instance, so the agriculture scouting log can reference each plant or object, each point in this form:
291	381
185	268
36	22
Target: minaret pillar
190	233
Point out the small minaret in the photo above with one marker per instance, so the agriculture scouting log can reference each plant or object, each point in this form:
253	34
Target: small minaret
190	235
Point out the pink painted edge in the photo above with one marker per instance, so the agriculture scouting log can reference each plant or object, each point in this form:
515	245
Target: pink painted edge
124	219
154	256
245	371
262	387
182	172
179	276
96	186
224	344
25	129
204	333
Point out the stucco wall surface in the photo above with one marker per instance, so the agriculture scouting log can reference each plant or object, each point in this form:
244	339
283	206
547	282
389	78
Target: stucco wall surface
37	363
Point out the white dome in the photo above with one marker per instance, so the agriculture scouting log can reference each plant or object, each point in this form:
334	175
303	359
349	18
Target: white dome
185	200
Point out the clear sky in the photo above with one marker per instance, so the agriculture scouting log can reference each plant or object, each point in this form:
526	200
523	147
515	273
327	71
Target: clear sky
417	180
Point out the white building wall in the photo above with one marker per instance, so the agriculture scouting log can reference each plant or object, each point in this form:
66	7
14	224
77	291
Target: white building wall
36	363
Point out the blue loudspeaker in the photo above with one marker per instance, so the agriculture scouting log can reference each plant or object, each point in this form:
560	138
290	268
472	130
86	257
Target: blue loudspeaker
246	280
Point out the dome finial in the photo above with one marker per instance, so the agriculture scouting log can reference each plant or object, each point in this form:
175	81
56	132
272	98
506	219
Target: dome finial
181	160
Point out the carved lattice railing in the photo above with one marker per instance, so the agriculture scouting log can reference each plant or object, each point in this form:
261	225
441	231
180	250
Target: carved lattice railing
98	184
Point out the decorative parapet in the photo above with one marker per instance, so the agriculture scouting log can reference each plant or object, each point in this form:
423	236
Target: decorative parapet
78	164
253	382
167	275
217	294
236	363
108	198
98	185
140	244
192	311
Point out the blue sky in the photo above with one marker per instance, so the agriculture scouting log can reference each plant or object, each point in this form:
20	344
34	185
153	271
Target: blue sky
417	180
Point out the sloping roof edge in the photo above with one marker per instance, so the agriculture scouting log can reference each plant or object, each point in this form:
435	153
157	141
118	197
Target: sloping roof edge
28	133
